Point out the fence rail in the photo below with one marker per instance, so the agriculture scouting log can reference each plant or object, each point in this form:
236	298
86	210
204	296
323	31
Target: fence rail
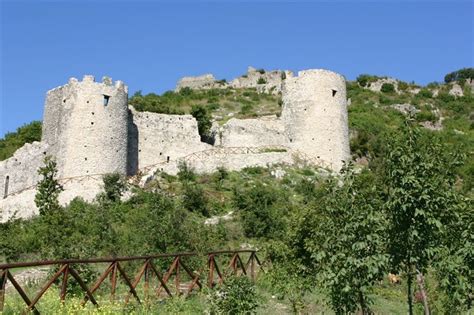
176	272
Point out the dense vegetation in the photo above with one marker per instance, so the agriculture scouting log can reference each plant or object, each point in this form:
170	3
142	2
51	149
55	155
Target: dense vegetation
15	140
405	207
460	75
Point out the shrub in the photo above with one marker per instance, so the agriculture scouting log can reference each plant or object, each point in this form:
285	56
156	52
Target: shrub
261	71
194	199
402	86
14	140
236	296
46	198
186	91
387	88
425	93
260	212
185	173
246	109
114	187
261	81
364	80
283	75
203	119
445	97
426	115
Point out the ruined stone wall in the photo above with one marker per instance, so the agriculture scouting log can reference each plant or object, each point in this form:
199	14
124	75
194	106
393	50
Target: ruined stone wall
86	126
252	132
205	81
18	177
263	81
163	138
315	115
20	171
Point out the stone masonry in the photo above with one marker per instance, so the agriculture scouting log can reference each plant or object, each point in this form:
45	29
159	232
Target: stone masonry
90	130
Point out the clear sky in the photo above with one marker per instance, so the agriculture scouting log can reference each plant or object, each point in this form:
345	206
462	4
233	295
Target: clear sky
150	45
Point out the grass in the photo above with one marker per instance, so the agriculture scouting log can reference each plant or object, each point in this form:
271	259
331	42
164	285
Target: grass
223	104
387	299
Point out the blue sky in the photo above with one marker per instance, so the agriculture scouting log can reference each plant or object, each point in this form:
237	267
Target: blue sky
150	45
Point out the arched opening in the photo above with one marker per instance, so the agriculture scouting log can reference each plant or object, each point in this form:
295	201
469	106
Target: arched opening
7	182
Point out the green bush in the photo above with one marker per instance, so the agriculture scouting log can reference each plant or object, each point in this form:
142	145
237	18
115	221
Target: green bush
387	88
114	186
261	71
15	140
364	80
260	210
203	119
194	199
425	93
261	80
185	172
426	115
403	86
236	296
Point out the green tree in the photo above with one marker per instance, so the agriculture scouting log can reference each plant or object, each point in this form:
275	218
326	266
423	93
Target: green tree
343	240
203	119
114	187
455	264
261	209
48	188
421	199
462	74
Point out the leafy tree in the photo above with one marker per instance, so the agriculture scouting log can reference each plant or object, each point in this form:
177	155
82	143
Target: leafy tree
114	187
343	241
48	188
261	80
260	210
462	74
455	264
421	200
203	119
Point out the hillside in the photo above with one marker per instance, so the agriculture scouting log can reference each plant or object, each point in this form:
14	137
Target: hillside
328	241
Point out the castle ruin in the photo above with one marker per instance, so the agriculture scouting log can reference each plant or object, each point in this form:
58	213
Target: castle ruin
90	130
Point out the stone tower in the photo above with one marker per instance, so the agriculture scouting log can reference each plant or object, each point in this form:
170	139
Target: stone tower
86	126
315	116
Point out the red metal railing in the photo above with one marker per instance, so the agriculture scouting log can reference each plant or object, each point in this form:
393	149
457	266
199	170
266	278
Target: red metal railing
147	270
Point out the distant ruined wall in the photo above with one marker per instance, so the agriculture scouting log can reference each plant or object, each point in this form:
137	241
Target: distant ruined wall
266	82
315	115
205	81
163	138
252	132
